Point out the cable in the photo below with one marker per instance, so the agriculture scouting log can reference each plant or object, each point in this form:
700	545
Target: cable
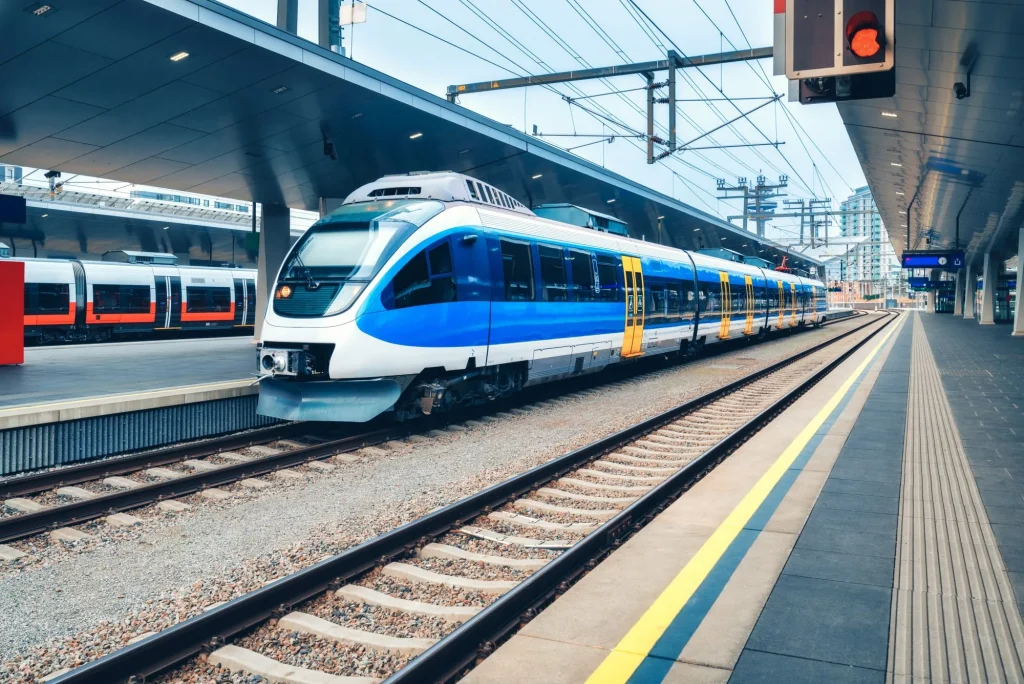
756	127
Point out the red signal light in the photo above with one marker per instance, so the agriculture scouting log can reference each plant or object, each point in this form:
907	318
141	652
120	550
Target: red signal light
862	32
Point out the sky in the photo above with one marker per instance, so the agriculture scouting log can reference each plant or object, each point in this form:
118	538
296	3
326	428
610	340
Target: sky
504	38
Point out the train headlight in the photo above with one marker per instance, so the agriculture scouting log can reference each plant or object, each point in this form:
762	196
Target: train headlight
284	292
275	362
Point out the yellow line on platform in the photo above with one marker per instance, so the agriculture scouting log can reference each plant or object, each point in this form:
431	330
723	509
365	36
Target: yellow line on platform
630	652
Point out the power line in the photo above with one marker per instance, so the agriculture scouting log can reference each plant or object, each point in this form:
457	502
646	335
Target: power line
709	80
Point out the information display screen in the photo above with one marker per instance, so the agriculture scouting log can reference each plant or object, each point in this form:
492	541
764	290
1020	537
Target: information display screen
945	260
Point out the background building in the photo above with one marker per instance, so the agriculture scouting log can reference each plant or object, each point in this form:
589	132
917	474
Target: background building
871	267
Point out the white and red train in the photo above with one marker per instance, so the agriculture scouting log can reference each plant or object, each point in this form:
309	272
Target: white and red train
79	301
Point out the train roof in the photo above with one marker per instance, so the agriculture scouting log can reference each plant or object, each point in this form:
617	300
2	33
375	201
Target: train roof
446	186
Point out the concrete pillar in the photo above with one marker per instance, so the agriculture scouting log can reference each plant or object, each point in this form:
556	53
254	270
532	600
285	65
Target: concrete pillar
970	288
989	273
1018	309
958	299
931	302
274	242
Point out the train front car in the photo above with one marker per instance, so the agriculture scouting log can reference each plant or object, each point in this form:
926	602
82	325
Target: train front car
347	330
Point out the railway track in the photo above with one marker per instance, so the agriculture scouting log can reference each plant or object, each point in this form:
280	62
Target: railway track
54	501
422	602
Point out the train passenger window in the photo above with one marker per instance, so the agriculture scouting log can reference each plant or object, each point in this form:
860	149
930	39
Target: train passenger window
609	277
672	304
472	190
47	298
207	300
552	274
428	278
517	265
490	195
106	299
657	300
582	266
136	298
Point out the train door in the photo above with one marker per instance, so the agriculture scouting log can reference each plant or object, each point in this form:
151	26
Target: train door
723	328
174	319
239	295
813	301
781	304
793	303
250	302
163	302
749	328
632	341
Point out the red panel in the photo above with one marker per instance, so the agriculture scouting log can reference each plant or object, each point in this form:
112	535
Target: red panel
780	6
12	312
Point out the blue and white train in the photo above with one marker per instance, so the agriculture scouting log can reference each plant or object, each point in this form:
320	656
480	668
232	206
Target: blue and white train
427	291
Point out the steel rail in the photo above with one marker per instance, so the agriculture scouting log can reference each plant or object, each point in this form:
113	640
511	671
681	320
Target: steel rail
35	483
213	628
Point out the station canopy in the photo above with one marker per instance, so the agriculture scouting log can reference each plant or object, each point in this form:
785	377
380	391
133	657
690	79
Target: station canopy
104	88
944	154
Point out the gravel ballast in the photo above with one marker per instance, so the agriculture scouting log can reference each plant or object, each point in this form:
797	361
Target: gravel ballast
77	606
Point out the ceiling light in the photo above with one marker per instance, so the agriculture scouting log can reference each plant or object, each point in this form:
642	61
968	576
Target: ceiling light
899	192
178	56
41	10
356	115
903	212
611	201
537	176
465	151
167	227
723	238
891	115
696	230
903	225
44	215
415	135
279	89
661	218
895	164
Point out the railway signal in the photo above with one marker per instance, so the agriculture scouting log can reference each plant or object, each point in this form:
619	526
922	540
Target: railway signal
836	50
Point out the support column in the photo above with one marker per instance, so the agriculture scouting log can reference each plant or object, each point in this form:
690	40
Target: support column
275	238
958	300
1018	309
989	274
931	302
970	288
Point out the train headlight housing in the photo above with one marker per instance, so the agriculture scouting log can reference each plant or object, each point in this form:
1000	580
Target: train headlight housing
283	292
345	297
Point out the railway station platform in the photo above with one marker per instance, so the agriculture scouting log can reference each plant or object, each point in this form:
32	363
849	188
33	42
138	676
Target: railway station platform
78	402
874	532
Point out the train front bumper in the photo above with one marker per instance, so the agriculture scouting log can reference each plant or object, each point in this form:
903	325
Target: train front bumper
339	401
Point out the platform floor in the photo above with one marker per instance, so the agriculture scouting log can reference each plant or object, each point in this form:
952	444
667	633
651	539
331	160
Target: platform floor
68	373
873	533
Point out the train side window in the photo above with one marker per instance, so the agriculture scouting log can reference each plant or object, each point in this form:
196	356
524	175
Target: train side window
106	299
517	265
136	298
200	300
657	300
47	298
428	278
673	303
582	267
609	276
552	273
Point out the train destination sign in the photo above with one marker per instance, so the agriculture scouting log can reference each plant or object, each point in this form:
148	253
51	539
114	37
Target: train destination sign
948	260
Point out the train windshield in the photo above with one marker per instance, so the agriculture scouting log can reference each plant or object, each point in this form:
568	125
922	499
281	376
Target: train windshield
353	242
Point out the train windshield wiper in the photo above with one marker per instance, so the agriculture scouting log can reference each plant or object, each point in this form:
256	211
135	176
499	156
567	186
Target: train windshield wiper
297	261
